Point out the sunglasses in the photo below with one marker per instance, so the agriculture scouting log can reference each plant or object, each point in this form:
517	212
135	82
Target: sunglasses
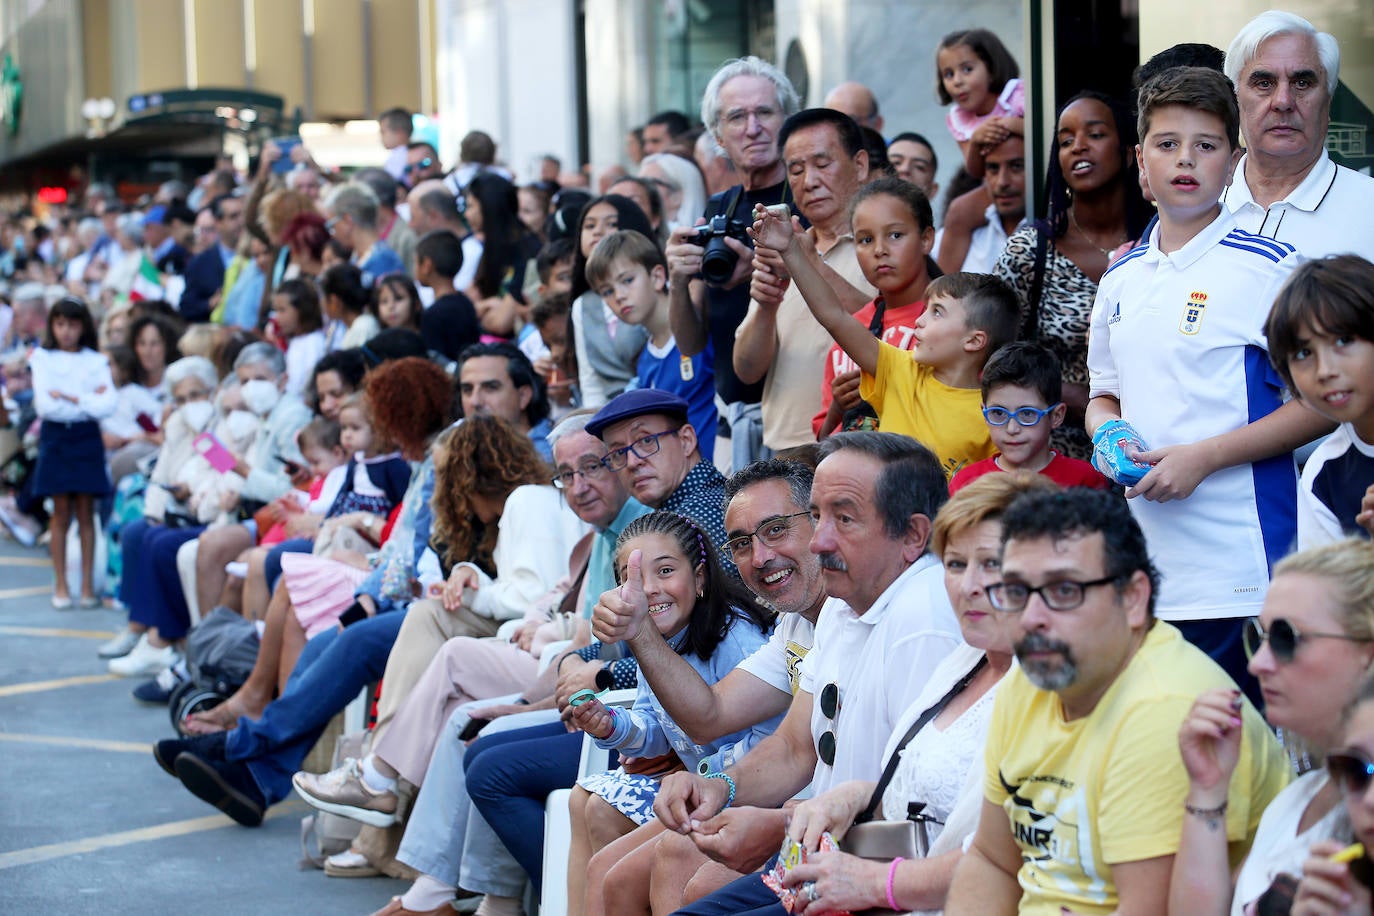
830	708
1283	638
416	166
1350	770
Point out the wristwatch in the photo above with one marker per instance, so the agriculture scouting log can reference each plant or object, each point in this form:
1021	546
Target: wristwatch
605	678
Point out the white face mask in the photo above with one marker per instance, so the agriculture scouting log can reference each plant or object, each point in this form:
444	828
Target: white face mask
240	425
260	396
197	414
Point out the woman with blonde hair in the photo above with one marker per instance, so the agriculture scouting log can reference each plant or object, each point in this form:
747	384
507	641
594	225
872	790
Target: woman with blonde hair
1310	648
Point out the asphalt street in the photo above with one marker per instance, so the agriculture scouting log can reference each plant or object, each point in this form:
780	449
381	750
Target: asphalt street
88	822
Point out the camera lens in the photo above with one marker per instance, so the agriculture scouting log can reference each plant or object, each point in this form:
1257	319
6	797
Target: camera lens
718	262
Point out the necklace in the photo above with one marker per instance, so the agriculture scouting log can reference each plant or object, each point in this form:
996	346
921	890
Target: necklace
1106	252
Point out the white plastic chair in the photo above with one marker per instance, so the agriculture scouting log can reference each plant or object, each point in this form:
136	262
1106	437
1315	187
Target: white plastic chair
558	822
186	572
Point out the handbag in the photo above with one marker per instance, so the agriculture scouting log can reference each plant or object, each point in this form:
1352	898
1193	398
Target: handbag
910	838
885	841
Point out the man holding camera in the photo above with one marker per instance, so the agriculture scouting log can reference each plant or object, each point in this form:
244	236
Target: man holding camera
743	107
780	341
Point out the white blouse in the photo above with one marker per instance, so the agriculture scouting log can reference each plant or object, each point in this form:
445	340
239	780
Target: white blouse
1278	846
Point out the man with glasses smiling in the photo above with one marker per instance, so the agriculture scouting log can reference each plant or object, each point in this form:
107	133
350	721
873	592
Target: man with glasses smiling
653	449
1084	789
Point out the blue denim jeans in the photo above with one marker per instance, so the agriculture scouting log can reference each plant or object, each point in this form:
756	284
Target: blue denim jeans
747	896
510	776
332	669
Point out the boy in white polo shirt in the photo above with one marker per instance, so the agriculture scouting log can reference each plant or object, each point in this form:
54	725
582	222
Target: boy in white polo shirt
1177	360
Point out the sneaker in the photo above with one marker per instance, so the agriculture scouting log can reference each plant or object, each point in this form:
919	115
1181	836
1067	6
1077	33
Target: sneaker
159	690
342	791
144	660
120	646
206	747
22	528
227	786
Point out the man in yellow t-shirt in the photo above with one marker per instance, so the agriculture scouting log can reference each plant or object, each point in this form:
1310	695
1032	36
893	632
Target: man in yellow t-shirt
1084	787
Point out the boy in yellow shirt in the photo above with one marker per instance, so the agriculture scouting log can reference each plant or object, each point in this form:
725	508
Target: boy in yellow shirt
932	392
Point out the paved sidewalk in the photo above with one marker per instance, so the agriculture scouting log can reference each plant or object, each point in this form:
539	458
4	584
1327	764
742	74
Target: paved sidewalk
88	822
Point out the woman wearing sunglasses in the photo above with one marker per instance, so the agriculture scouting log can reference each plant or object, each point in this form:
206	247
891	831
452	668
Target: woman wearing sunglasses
1333	884
1310	648
938	769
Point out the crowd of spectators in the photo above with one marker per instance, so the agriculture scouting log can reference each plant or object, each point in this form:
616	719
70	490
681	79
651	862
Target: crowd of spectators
1020	551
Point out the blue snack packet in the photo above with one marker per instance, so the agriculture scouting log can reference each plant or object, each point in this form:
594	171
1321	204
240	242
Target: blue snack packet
1111	443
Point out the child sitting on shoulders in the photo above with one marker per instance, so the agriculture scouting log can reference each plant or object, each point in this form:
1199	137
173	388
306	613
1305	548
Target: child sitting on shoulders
1321	339
628	271
1022	385
1184	408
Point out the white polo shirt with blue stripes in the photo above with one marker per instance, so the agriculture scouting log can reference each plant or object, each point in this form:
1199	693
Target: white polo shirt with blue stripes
1179	339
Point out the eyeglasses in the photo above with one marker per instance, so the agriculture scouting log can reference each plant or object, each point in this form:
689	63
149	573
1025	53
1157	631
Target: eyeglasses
739	118
1350	770
1024	416
830	708
416	166
1283	638
1061	595
771	531
643	447
592	470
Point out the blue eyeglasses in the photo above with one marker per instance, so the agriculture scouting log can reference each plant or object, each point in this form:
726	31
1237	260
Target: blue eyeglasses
1024	416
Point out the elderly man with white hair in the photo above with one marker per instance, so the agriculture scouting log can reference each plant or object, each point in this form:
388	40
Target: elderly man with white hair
1286	187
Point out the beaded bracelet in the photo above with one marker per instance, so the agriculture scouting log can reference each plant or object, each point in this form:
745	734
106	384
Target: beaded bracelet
891	878
730	781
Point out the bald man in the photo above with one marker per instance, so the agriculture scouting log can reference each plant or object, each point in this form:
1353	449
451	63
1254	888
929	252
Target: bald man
857	101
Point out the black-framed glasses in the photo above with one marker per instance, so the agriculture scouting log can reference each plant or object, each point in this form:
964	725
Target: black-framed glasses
829	699
643	447
1283	638
1350	770
1060	595
591	470
772	531
1024	416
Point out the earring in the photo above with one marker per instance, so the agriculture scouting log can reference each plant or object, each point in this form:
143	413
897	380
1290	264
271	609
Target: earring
700	593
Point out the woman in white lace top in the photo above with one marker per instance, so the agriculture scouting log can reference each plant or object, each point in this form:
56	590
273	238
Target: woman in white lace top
940	767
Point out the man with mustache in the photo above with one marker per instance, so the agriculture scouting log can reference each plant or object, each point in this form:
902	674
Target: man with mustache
1085	793
886	625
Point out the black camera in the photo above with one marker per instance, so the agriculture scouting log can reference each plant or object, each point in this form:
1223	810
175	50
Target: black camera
718	262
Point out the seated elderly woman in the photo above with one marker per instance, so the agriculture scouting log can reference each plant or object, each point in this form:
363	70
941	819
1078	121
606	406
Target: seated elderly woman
151	587
190	381
1310	648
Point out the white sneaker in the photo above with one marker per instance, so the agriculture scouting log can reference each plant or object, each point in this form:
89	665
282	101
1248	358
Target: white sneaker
144	660
120	646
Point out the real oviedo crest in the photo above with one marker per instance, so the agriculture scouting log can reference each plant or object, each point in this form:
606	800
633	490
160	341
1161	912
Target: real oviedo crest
1193	313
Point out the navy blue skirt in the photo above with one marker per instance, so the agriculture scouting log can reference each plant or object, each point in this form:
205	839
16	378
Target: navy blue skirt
71	459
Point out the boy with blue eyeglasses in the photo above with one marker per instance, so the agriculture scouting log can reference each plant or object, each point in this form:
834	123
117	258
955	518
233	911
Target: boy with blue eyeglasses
1022	384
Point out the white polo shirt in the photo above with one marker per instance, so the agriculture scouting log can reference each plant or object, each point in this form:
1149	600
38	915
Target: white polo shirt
880	662
1179	339
1331	212
778	662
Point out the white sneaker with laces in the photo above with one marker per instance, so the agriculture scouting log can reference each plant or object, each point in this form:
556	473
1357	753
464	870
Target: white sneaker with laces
145	660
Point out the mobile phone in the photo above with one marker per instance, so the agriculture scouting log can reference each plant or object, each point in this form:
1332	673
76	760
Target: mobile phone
781	211
292	468
213	451
286	145
472	729
145	423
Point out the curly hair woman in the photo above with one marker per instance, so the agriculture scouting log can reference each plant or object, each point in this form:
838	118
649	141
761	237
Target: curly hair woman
502	538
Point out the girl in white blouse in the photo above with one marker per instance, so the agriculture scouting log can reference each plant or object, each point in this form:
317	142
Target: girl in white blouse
73	391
